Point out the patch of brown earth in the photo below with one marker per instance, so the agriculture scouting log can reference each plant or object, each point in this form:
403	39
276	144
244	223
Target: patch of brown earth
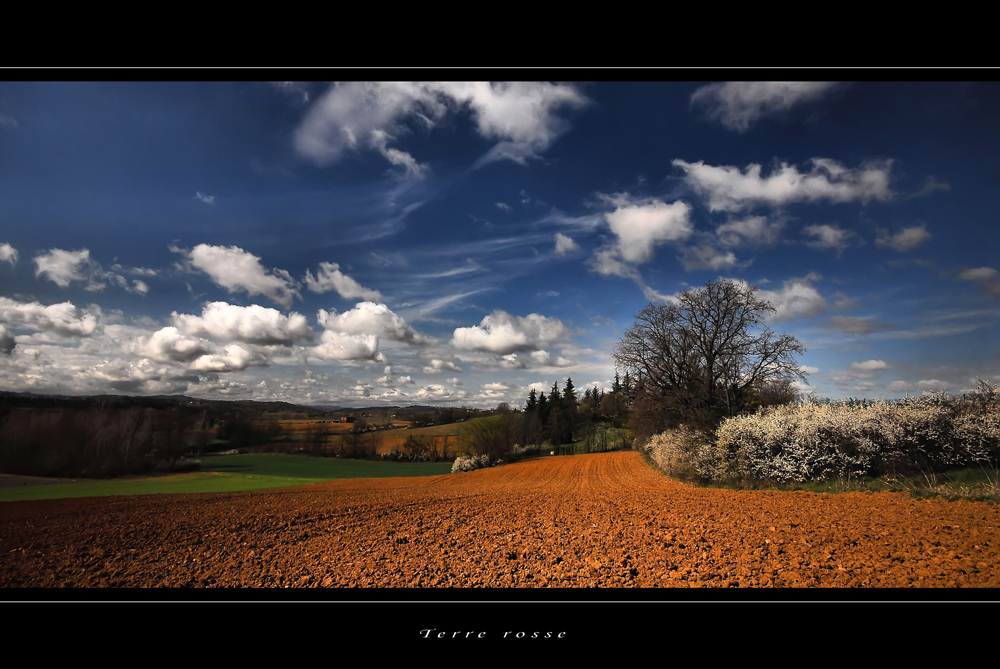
604	520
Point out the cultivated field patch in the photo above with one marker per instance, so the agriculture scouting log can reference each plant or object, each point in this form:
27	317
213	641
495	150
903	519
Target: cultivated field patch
601	520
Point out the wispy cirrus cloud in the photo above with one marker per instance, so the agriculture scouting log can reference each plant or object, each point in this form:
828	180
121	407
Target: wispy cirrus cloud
739	104
351	116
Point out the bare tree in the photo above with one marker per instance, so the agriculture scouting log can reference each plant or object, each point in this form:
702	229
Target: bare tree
706	356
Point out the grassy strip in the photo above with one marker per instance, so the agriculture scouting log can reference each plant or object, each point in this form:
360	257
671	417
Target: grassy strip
970	483
230	473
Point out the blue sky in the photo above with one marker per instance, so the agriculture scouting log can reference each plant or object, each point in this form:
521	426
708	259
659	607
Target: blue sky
461	242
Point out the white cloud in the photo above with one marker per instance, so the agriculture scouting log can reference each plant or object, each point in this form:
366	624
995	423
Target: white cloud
437	366
706	256
494	386
207	199
371	318
797	298
342	346
503	206
8	254
63	267
752	231
329	277
905	239
869	365
502	333
985	276
727	188
638	227
738	104
564	244
828	237
234	269
169	344
546	359
455	381
380	139
8	121
806	369
355	115
605	262
434	391
63	319
236	358
253	324
978	274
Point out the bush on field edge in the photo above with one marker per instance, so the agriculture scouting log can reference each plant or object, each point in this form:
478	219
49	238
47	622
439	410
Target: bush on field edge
813	441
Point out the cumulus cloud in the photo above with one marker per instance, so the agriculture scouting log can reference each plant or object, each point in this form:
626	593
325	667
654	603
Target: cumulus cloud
8	254
7	342
727	188
235	358
829	237
342	346
986	277
503	206
437	366
806	369
434	391
253	324
738	104
752	231
869	365
329	277
207	199
546	359
371	318
797	298
234	269
65	319
62	267
605	261
356	115
502	333
565	244
639	226
905	239
169	344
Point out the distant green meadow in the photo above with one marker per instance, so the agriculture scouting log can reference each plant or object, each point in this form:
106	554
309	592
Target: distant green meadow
230	473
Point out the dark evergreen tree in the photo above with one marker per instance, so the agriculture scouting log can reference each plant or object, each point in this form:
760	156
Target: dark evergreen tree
532	405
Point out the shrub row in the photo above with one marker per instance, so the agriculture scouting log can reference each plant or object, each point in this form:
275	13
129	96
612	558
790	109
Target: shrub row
812	441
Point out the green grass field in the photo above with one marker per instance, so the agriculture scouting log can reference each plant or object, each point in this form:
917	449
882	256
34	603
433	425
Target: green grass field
230	473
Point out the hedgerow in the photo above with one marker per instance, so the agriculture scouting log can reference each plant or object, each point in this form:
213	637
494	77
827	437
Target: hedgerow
812	441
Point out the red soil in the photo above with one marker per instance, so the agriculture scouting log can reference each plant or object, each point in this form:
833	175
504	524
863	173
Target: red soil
605	520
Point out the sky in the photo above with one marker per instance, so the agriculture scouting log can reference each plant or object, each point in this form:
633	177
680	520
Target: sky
460	243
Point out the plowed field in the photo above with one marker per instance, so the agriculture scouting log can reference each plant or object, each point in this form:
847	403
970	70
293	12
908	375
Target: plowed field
605	520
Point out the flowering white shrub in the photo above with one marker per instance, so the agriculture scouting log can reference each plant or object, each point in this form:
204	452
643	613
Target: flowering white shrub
466	463
683	452
814	441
